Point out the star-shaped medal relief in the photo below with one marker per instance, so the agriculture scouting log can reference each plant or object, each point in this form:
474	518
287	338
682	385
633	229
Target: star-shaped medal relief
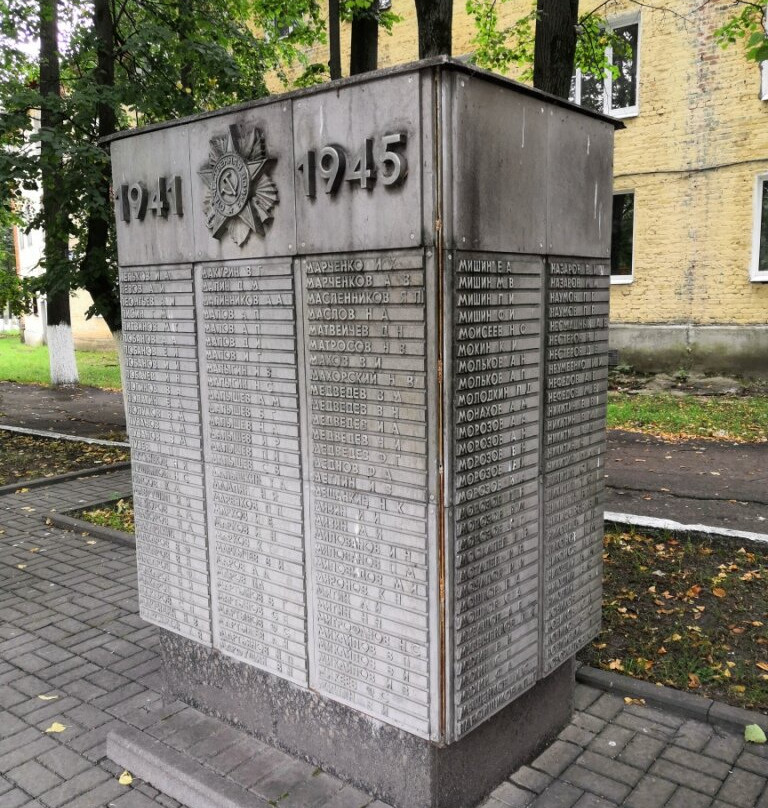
241	195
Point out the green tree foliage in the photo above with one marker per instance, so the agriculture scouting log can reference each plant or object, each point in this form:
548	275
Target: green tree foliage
500	47
127	63
750	26
11	290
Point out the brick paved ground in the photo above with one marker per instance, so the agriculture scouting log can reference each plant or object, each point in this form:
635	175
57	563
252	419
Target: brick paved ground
69	627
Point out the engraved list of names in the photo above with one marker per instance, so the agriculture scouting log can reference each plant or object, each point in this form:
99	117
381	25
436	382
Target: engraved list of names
251	418
574	424
162	388
496	333
367	411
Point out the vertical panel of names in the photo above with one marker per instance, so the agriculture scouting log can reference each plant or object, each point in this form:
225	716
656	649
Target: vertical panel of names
574	446
162	386
496	332
251	416
365	347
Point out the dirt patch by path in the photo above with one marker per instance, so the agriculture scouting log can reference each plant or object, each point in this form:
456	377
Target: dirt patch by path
84	411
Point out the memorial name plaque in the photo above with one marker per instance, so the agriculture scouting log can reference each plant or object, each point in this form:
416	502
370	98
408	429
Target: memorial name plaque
249	379
163	405
365	338
367	417
497	324
574	425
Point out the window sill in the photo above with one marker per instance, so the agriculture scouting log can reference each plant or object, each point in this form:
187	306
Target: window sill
624	279
629	112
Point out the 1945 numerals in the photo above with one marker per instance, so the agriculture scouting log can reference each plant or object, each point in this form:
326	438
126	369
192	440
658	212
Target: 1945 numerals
384	161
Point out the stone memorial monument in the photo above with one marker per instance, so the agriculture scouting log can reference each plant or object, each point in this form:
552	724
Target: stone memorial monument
365	332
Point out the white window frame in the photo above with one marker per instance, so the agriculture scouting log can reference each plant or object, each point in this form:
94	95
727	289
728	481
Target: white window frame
623	112
624	279
755	274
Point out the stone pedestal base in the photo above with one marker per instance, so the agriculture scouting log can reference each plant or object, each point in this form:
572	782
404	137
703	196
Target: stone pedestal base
395	766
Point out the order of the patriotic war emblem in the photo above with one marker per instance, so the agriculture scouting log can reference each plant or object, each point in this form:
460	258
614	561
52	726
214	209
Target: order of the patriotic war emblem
241	195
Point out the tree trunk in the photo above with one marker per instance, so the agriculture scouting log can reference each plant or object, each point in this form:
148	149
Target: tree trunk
435	18
61	345
364	52
95	268
334	39
61	349
555	45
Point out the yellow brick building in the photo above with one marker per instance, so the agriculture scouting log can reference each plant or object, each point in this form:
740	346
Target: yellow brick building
692	170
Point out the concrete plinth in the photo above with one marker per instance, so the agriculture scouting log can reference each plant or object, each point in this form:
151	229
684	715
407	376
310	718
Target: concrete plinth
393	765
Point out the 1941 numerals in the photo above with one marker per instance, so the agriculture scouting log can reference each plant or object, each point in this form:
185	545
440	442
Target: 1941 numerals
385	162
134	199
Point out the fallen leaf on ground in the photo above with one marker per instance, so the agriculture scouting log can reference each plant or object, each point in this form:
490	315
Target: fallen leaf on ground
693	681
616	665
719	592
22	566
125	779
762	665
56	727
630	700
47	698
754	734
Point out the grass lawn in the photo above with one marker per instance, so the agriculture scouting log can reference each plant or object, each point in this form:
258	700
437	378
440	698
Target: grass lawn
117	515
28	365
741	419
692	614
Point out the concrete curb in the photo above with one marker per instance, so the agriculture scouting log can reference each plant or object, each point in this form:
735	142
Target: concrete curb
174	773
63	520
66	477
674	701
41	433
707	531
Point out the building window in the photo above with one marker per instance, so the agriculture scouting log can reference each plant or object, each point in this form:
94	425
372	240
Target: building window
622	237
759	269
613	96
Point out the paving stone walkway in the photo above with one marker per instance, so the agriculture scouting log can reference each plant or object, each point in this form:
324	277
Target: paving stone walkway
69	628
